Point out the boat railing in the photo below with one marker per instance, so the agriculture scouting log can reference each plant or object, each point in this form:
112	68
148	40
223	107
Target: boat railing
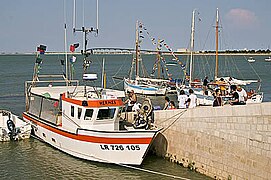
52	78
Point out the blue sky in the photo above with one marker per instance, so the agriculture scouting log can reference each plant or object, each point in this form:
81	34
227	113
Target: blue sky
27	23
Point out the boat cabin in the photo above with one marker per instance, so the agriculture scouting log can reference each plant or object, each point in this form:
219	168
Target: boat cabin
96	114
70	111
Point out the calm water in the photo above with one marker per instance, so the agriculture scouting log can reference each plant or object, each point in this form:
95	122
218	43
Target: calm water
32	159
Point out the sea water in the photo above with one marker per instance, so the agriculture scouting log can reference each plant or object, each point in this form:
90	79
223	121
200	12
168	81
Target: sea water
33	159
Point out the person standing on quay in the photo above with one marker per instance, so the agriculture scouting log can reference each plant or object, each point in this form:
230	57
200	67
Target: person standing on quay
182	98
167	103
192	99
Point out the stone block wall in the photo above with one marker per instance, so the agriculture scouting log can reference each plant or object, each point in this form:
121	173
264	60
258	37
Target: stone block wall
229	142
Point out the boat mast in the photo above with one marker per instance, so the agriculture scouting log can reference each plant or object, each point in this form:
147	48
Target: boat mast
65	43
159	59
137	50
192	47
103	75
216	54
86	32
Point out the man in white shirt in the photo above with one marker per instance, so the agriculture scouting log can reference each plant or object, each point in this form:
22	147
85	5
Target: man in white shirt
192	99
182	98
242	95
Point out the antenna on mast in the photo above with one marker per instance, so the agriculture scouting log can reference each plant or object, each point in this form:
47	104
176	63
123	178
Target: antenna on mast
65	41
84	52
97	16
74	16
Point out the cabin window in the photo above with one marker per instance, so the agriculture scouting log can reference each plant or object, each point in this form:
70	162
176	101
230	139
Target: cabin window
72	111
49	110
106	113
88	114
35	105
79	113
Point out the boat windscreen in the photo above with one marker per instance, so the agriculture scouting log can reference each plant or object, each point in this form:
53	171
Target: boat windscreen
35	105
49	110
106	114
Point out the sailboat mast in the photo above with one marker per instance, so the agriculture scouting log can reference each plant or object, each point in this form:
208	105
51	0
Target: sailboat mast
192	47
216	54
137	51
159	60
65	42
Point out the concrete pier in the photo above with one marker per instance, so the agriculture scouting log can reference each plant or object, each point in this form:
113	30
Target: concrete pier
229	142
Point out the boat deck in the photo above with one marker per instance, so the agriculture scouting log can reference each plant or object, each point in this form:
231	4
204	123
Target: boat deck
77	92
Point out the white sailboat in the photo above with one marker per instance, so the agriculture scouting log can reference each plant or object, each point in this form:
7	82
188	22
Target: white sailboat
207	99
142	84
251	60
195	84
84	121
254	96
268	59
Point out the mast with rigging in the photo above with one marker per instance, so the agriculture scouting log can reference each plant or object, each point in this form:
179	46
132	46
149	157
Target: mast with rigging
192	47
216	54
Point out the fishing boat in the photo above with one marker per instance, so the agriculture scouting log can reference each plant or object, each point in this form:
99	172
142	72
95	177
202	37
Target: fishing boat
268	59
81	120
12	127
251	60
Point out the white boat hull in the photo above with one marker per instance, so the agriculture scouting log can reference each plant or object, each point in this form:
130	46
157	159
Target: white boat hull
21	131
118	147
207	100
251	61
144	89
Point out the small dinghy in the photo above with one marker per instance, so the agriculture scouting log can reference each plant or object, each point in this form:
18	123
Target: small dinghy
12	127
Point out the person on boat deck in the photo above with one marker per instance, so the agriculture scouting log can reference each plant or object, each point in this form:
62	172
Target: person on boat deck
222	86
192	99
182	98
251	93
130	101
235	96
242	95
218	101
171	105
205	84
167	103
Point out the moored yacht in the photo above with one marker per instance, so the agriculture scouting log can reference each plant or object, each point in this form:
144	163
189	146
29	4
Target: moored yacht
268	59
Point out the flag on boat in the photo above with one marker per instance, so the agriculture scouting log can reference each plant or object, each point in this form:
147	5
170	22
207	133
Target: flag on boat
38	60
41	49
73	47
73	59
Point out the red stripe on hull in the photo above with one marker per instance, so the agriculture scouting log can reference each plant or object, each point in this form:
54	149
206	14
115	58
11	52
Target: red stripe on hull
93	139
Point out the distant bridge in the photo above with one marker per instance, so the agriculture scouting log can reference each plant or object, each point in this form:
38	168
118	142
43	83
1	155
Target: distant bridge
121	51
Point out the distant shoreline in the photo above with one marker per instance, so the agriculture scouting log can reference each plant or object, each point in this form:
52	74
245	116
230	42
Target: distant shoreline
165	53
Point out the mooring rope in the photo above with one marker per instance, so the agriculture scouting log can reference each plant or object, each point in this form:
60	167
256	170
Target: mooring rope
170	118
144	170
153	172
